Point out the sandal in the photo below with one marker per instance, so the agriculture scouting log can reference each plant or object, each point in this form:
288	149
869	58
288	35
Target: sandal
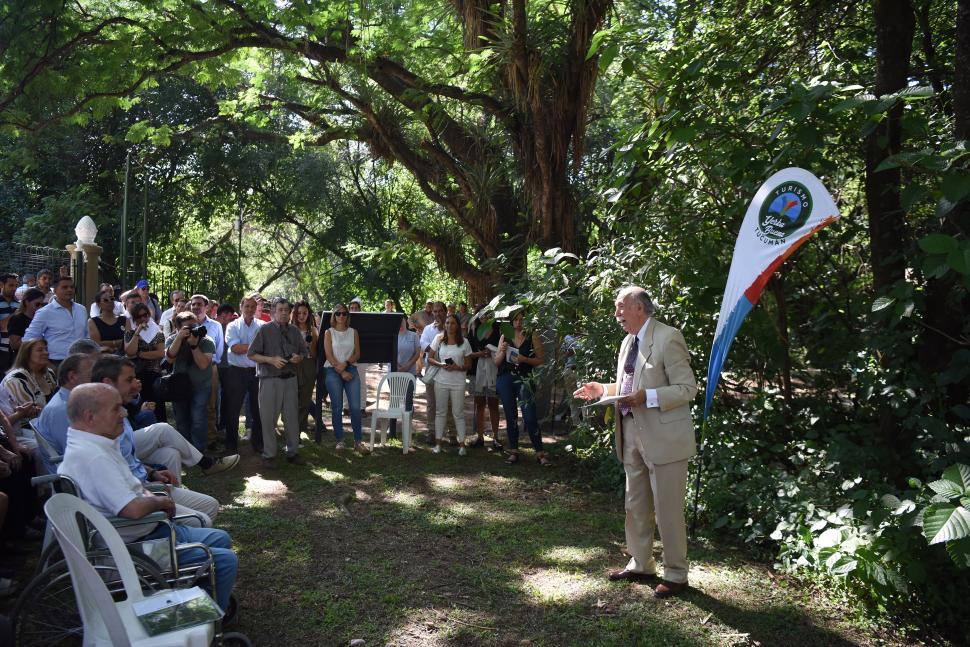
496	447
512	459
544	460
361	448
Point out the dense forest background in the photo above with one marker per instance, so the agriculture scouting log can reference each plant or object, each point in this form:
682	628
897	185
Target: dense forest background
550	152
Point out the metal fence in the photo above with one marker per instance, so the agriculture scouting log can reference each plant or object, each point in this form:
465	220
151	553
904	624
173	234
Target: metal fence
29	259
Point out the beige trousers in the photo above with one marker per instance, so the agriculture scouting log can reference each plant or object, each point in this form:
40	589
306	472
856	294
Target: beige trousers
654	498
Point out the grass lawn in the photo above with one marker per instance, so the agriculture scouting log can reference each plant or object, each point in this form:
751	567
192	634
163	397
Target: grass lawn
447	550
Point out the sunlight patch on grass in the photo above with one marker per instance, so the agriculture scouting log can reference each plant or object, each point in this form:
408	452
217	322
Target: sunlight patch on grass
261	492
406	499
567	555
446	483
329	475
551	585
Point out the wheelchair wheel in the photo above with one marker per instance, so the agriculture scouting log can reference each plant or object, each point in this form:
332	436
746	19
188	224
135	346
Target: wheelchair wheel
235	639
46	613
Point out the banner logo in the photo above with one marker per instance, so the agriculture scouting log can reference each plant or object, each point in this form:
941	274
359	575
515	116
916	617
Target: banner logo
784	211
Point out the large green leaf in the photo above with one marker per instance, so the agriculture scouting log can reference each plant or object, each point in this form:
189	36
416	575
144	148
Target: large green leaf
945	522
959	552
959	474
938	244
956	186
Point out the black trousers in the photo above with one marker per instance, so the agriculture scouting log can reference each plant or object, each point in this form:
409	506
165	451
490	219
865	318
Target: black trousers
238	382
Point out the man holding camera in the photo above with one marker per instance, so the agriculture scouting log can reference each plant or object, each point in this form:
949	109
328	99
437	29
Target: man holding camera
277	348
190	351
199	305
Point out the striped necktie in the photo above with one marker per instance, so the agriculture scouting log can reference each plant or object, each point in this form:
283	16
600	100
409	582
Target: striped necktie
627	386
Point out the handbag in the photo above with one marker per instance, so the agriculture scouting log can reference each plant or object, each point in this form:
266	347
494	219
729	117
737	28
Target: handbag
174	387
430	374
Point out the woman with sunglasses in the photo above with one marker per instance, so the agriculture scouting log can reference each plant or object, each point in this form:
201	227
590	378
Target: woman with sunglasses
33	300
107	328
342	347
145	346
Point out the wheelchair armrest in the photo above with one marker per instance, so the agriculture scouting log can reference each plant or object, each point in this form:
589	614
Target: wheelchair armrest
44	480
179	518
153	517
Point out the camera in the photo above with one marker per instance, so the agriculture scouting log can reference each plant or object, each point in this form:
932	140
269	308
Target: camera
198	330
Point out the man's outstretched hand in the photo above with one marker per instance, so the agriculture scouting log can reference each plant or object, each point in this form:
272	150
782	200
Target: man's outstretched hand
589	391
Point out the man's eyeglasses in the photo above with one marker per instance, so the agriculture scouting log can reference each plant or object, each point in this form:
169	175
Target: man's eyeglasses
340	314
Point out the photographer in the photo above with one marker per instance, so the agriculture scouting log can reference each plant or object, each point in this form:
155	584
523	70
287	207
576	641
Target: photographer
278	349
190	351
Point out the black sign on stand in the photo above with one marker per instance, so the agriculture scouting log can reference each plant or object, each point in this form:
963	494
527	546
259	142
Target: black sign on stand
378	345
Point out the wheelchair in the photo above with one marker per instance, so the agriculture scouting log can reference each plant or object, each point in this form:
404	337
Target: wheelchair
46	611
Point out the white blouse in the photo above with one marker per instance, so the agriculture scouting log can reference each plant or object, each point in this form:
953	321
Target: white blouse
342	342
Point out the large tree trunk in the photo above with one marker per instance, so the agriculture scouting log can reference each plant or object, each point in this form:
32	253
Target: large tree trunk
894	25
947	304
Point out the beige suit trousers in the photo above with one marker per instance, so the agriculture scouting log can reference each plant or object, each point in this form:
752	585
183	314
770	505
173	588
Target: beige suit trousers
654	498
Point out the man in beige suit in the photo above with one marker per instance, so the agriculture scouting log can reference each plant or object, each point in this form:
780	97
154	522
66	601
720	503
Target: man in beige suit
654	438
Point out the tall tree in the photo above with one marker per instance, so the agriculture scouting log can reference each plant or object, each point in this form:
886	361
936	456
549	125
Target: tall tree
485	104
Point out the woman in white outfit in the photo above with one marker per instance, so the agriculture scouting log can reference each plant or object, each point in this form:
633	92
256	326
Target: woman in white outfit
453	355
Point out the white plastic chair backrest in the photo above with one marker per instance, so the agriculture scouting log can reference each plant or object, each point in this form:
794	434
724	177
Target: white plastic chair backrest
398	386
98	611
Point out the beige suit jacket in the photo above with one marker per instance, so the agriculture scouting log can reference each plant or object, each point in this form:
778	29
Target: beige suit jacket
662	364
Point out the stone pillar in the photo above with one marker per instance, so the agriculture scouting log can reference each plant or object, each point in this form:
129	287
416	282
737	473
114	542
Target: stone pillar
91	277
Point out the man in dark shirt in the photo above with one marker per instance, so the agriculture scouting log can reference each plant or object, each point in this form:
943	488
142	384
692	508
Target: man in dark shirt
277	348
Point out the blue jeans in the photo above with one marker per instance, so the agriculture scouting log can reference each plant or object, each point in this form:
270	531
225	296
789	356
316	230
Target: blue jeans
192	418
225	561
336	387
510	388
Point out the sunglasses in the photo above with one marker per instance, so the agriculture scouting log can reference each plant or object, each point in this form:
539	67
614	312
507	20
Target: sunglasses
340	314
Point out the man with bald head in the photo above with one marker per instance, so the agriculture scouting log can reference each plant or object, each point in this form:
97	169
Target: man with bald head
92	459
654	438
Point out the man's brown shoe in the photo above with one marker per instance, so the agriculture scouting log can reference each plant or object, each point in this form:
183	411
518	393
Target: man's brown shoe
633	576
666	589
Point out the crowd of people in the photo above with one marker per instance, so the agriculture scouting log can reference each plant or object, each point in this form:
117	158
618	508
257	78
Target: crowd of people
88	392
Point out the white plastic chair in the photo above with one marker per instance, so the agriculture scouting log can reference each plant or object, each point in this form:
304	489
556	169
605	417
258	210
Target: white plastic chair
107	622
398	385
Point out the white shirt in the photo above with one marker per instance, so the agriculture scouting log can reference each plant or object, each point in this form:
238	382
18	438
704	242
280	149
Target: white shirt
237	332
457	354
342	343
427	336
95	310
214	330
102	474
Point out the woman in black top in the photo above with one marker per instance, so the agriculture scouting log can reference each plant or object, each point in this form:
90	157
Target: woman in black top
483	376
514	386
107	328
17	324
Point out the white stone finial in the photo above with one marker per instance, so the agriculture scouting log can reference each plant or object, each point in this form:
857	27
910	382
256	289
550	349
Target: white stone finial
86	230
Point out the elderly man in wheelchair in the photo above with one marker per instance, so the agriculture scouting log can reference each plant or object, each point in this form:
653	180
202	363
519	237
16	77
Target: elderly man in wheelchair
93	461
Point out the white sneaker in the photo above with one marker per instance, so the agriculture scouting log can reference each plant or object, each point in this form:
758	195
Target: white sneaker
462	451
339	446
437	449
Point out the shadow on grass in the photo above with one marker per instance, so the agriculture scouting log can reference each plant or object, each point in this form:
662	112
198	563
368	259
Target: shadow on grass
448	550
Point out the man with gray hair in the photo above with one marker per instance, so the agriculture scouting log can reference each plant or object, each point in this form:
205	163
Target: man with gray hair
654	438
277	348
